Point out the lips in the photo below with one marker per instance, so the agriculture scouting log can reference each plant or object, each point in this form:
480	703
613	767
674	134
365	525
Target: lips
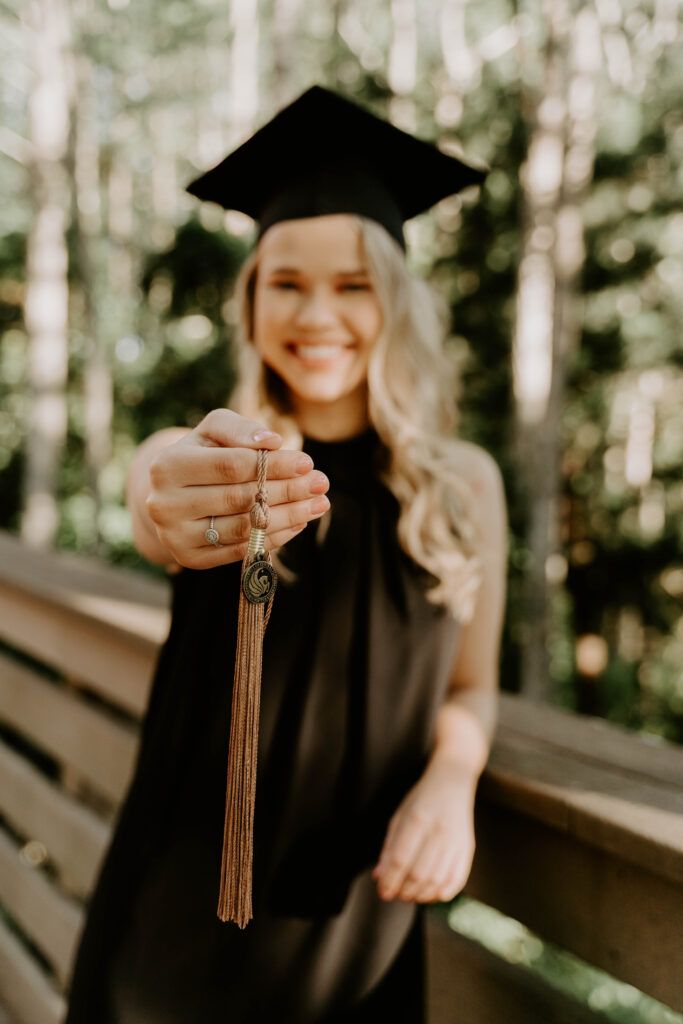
318	354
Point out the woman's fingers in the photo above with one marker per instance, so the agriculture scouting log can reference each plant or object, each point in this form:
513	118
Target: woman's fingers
226	428
454	880
208	557
212	471
403	842
235	529
418	878
440	872
197	502
185	463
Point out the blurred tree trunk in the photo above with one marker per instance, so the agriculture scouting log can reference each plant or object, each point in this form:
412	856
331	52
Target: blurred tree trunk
47	295
558	168
402	56
244	69
90	245
284	26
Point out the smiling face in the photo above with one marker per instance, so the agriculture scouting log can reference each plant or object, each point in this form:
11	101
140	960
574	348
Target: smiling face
316	318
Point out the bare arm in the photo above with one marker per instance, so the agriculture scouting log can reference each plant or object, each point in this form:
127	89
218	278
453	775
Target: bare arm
467	719
429	846
145	536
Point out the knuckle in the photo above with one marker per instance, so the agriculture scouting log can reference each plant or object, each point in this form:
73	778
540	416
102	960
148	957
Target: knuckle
157	469
213	418
294	513
230	501
242	528
227	465
240	550
435	891
397	862
186	558
153	507
194	511
292	490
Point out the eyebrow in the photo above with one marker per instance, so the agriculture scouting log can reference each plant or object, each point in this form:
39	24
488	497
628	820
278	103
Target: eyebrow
341	273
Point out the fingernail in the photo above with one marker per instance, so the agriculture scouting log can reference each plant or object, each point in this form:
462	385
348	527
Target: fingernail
318	484
304	463
261	435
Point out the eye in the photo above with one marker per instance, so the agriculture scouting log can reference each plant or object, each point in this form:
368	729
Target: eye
357	287
283	284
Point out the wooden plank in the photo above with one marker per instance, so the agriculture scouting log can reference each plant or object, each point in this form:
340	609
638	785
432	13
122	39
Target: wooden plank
467	984
636	819
111	661
613	914
25	990
96	623
584	811
35	808
72	576
595	740
56	719
52	920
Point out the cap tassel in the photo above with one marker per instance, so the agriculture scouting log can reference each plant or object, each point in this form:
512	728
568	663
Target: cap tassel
257	586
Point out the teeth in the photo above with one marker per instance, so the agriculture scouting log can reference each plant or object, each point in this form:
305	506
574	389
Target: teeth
318	351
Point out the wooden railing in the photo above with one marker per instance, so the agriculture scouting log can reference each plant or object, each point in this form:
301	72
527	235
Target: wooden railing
579	823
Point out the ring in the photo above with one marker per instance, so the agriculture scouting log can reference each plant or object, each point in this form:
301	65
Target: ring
211	535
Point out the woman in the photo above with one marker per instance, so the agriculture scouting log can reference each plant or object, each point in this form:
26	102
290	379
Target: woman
380	655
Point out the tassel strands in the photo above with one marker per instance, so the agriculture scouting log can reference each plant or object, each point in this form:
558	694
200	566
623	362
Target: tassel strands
257	587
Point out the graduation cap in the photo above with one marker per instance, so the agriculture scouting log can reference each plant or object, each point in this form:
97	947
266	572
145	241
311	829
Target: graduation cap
324	153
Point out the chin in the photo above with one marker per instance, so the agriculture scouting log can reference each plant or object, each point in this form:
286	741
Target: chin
319	392
317	385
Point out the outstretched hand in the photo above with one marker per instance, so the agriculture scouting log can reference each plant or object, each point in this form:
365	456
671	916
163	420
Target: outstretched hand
429	846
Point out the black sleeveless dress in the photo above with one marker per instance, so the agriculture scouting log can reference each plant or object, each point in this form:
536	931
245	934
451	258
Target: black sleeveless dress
356	663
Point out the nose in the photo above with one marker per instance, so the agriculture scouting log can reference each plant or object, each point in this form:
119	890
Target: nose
315	311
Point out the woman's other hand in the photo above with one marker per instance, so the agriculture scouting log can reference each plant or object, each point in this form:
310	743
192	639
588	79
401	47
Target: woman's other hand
429	846
174	488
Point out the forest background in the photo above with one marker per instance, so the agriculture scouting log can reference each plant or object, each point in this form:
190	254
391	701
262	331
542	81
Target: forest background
564	274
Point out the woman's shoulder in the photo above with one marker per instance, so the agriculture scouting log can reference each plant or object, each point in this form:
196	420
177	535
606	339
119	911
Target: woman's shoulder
481	471
474	461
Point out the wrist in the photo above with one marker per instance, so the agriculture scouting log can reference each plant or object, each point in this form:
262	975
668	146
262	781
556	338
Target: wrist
462	772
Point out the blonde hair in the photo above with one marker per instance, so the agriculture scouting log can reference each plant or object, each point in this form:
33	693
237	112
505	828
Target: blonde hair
412	382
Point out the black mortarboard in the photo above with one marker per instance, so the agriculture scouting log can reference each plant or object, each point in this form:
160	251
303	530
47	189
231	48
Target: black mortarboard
323	153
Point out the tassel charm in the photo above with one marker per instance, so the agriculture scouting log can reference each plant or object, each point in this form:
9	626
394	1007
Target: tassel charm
257	587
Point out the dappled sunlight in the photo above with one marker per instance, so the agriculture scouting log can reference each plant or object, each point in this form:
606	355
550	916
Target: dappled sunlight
575	978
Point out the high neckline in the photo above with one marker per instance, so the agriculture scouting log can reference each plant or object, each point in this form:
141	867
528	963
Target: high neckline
355	440
350	462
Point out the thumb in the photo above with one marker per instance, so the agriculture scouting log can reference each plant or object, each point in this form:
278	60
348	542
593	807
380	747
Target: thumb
229	429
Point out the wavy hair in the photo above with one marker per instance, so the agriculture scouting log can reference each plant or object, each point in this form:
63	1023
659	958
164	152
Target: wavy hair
412	386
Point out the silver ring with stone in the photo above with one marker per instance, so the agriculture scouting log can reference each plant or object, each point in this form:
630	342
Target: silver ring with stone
211	534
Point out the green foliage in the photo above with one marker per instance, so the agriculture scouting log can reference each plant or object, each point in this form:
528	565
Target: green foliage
156	73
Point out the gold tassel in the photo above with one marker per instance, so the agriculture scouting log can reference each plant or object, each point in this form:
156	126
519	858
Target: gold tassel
257	586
